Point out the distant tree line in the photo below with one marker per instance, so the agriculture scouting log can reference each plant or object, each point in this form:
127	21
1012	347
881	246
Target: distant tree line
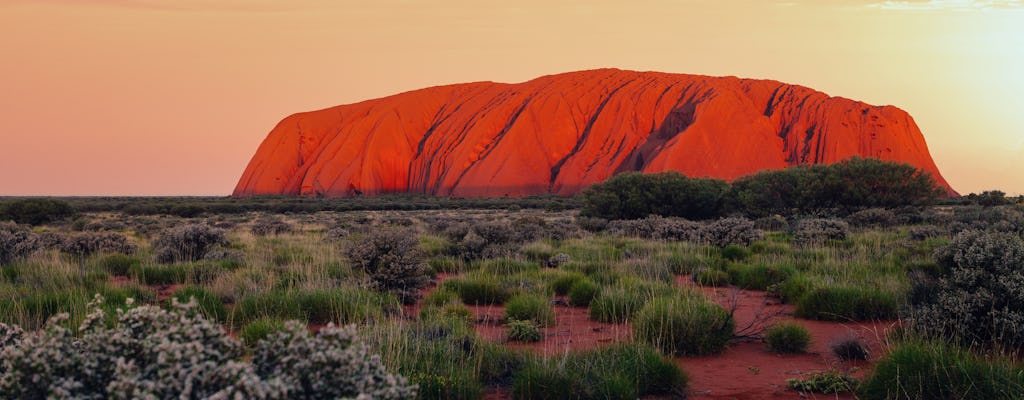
841	188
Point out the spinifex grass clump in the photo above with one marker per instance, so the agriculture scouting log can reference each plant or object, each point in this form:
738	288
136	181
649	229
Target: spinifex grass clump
787	338
529	307
394	262
523	331
478	289
620	302
624	371
758	276
583	292
206	302
685	324
343	305
847	303
935	370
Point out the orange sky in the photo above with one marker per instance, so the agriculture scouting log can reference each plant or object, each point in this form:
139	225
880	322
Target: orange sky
172	97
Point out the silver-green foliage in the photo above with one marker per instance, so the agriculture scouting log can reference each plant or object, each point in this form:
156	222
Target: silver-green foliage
153	353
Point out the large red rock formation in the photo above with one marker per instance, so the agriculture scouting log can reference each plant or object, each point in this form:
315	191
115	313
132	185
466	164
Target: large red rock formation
561	133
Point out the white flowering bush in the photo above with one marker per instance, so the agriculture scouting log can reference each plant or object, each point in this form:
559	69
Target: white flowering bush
153	353
188	242
16	241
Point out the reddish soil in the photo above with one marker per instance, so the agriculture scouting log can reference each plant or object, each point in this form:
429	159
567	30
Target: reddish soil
744	371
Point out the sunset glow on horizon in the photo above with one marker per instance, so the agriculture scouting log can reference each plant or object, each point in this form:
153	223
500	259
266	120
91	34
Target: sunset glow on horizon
172	97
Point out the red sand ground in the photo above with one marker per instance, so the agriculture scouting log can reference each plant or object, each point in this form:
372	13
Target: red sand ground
744	371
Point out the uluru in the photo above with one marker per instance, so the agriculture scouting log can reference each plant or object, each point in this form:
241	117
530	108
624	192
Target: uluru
560	133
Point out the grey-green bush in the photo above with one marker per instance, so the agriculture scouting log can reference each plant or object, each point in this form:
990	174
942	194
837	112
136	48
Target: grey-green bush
394	262
187	243
16	242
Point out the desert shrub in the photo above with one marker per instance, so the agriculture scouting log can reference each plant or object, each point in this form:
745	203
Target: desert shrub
685	325
933	370
711	277
620	372
847	303
850	347
758	276
51	240
828	382
657	227
583	292
84	244
336	234
154	353
872	218
187	243
523	331
734	252
271	226
16	242
772	223
591	224
558	260
815	231
730	231
620	302
207	303
634	195
530	307
478	289
787	337
924	232
981	299
35	211
393	260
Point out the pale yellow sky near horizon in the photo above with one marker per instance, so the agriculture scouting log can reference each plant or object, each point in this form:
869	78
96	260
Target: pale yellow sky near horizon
172	97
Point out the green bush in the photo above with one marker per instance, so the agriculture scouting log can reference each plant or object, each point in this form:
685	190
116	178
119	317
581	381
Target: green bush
933	370
530	307
524	331
563	282
634	195
35	211
787	338
259	329
684	325
846	303
620	372
583	292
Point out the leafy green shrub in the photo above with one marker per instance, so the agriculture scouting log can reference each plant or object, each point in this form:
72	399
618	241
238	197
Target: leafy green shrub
846	303
187	242
530	307
394	262
758	276
16	242
583	292
620	372
711	277
787	338
260	329
828	382
685	325
207	303
150	352
933	370
981	299
523	331
35	211
478	289
634	195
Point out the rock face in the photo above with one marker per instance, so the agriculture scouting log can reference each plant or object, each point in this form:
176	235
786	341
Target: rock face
561	133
